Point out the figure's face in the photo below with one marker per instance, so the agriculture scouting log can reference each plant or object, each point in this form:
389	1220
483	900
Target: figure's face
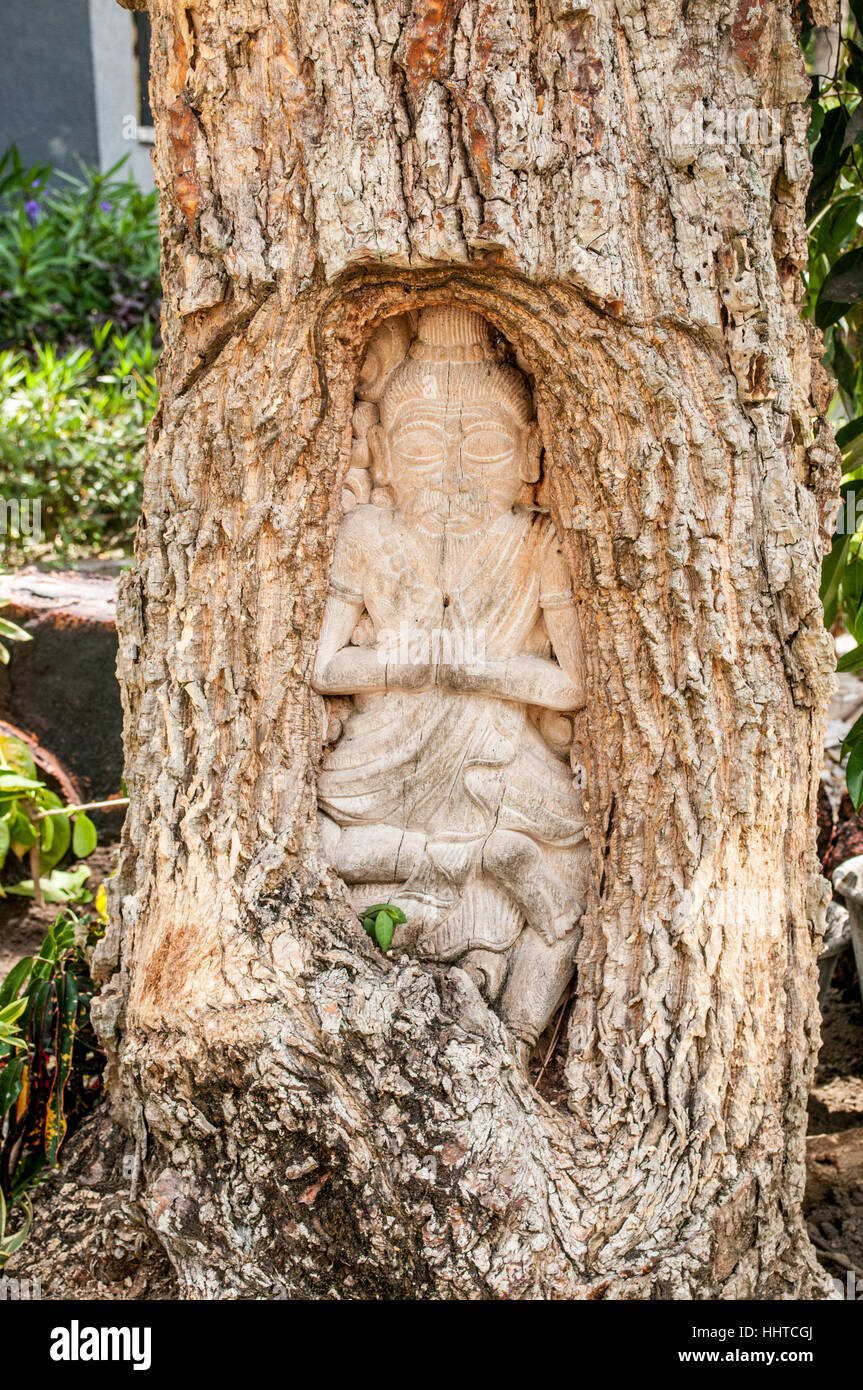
455	464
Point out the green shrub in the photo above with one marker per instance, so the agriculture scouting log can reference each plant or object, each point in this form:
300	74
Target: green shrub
79	305
74	253
834	299
72	436
35	823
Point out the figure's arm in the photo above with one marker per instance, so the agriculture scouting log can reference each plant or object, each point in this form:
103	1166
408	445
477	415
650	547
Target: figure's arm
345	670
341	669
530	680
536	680
341	616
561	617
561	621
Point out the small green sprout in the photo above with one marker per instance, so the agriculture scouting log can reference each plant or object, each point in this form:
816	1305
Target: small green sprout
380	921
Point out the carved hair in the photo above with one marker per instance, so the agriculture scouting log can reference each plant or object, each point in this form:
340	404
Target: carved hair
452	347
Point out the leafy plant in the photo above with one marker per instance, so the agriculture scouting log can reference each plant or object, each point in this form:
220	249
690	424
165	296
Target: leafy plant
12	1241
51	1068
834	299
34	821
79	312
381	921
9	1032
74	253
72	434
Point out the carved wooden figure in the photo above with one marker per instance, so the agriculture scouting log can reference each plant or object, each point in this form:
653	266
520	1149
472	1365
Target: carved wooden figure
451	622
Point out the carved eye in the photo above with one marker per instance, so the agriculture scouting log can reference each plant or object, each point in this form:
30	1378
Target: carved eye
488	445
419	443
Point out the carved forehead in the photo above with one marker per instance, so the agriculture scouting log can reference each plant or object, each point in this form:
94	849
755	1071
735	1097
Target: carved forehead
450	415
484	386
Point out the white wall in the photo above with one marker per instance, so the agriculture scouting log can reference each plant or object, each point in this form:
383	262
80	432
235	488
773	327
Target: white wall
46	82
115	79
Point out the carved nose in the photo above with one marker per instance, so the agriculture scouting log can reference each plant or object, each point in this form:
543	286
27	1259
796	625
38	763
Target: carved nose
452	458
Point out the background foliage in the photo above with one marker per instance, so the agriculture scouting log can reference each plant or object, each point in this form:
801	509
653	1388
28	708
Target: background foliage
72	436
35	824
834	299
79	308
74	254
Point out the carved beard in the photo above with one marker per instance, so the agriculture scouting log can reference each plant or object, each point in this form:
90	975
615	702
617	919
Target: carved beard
438	509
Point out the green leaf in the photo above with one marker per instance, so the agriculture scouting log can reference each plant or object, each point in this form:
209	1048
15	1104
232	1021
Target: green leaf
394	912
842	288
854	775
817	114
836	226
9	1244
10	1034
14	782
827	159
854	67
849	432
853	736
384	928
5	840
844	284
10	1012
84	836
59	887
11	1080
844	365
15	979
851	594
55	1118
851	661
21	829
18	756
831	578
62	832
854	128
13	632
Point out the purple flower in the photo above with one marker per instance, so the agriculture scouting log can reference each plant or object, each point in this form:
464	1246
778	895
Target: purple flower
32	209
106	207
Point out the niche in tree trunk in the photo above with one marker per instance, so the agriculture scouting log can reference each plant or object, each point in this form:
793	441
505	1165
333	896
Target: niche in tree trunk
451	656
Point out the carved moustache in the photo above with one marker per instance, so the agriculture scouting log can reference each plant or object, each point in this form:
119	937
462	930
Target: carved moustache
438	502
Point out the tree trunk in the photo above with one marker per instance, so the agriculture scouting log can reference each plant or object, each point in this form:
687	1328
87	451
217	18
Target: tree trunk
618	190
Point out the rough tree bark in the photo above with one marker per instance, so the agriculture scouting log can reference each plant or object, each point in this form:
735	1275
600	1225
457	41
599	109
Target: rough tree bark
310	1117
